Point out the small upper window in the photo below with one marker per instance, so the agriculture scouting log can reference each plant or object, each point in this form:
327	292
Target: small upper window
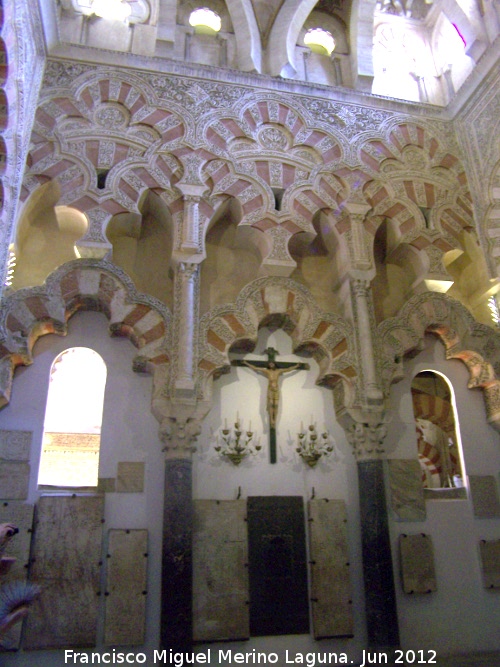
320	41
205	20
113	10
72	426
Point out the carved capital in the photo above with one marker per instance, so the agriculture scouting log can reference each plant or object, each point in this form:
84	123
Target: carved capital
178	436
187	270
366	439
361	288
357	209
191	182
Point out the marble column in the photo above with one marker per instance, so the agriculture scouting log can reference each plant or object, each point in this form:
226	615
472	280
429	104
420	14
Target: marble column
366	435
187	277
191	224
176	583
380	595
178	435
362	296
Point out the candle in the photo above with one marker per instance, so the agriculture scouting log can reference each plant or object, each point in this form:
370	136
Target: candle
250	426
225	423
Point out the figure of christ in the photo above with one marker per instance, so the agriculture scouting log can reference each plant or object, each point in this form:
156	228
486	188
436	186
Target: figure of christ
272	369
273	373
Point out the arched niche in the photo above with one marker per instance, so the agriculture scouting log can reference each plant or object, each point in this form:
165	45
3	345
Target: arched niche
242	394
472	285
438	438
46	236
84	284
399	267
142	246
320	260
278	303
475	344
232	259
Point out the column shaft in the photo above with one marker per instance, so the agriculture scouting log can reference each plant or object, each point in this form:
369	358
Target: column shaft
177	580
380	596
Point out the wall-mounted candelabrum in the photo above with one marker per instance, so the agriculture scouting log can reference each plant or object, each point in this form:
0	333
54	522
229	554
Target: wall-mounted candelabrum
236	443
311	446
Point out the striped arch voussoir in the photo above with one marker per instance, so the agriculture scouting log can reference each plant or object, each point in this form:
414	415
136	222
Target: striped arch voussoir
81	285
276	303
476	345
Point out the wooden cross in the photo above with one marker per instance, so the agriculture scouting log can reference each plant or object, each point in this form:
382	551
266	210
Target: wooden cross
272	369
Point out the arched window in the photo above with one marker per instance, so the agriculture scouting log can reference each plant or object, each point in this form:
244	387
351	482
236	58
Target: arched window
73	416
319	41
205	20
401	58
437	431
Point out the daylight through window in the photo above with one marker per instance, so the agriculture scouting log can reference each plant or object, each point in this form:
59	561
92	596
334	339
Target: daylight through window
73	416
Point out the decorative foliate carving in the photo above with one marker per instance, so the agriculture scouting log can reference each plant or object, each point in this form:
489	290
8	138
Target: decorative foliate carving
112	116
179	436
436	266
366	439
274	138
475	129
280	236
348	120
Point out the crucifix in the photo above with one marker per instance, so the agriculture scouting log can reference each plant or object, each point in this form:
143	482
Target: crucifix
272	369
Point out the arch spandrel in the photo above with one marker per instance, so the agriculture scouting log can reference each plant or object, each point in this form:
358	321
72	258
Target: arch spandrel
95	285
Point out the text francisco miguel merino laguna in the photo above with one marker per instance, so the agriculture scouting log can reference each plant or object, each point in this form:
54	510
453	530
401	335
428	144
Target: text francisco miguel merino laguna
229	658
